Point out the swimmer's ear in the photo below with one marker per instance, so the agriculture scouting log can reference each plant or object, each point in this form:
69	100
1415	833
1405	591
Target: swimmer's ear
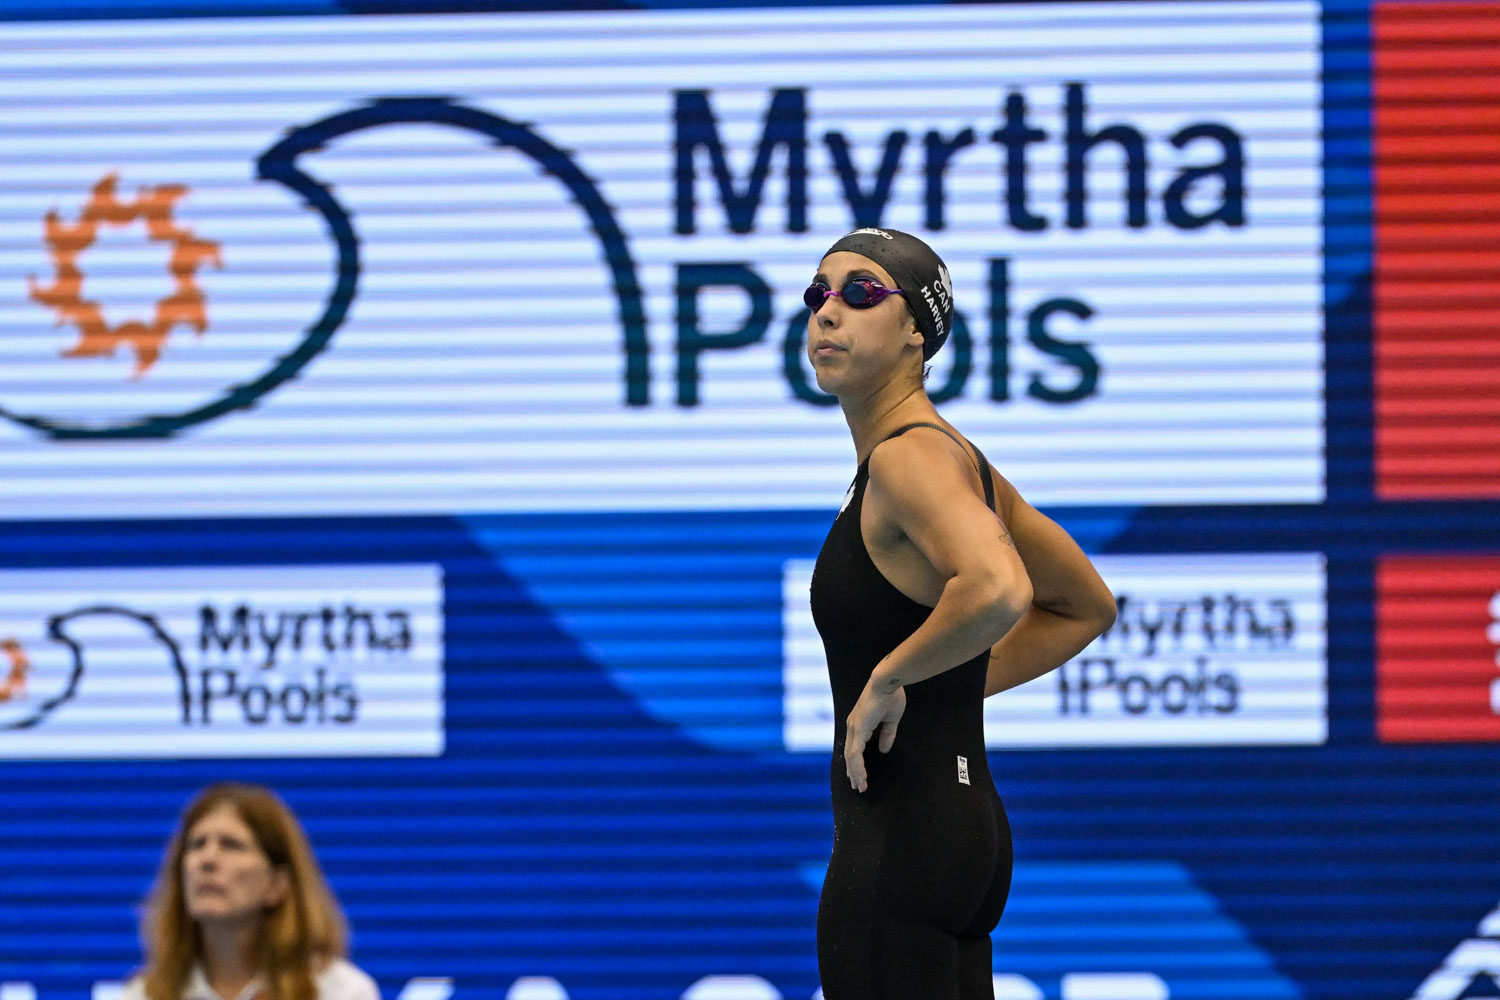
914	336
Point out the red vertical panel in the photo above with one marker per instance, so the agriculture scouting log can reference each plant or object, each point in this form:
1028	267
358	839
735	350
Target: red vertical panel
1436	645
1436	69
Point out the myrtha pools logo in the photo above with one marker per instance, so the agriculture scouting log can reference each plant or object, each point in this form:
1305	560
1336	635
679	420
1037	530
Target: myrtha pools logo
1208	649
217	662
263	351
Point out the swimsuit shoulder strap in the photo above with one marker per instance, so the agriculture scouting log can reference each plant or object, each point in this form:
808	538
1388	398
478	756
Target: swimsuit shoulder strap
980	463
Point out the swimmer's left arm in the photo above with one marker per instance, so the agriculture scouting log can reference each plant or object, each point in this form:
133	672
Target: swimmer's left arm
1070	604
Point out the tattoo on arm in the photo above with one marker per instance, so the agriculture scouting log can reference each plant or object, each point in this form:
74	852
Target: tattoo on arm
1005	536
1058	603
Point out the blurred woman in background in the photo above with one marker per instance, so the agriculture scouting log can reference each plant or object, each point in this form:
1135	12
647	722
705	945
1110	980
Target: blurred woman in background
241	911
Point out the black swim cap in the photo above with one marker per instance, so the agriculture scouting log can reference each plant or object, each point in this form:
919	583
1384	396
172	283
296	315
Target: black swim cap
917	271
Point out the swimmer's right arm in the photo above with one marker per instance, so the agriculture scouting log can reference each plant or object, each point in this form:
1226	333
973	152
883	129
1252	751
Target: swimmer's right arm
1070	604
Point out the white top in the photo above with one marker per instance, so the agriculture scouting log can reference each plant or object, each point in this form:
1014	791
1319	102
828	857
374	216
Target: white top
339	980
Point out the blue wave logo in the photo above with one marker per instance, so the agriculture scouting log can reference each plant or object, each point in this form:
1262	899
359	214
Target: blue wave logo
280	165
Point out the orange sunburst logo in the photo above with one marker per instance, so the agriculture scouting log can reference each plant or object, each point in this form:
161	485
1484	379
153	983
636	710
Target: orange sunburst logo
14	685
67	241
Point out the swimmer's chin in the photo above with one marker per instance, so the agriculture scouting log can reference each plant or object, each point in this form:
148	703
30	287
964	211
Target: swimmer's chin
825	374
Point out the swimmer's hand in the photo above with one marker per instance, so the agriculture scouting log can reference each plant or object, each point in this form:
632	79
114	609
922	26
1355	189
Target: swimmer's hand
875	710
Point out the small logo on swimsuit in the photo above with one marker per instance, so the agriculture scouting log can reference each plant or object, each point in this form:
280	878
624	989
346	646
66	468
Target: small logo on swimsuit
847	497
963	770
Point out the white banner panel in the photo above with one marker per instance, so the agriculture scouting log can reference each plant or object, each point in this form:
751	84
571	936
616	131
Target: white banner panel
562	267
1207	649
253	661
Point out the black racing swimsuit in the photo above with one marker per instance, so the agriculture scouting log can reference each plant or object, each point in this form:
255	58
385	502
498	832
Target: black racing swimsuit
921	860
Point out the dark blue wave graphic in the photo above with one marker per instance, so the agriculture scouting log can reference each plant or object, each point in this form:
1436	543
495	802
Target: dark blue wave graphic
280	164
57	631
